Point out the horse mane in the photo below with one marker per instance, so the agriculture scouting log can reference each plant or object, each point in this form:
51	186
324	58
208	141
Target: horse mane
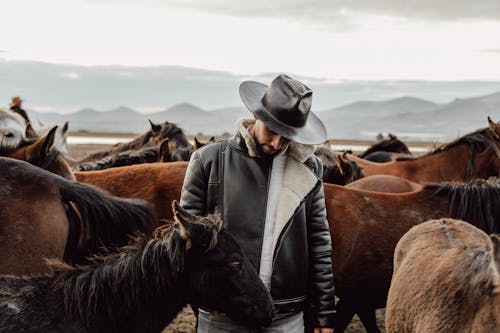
167	130
111	288
478	141
476	202
129	157
474	266
175	133
103	219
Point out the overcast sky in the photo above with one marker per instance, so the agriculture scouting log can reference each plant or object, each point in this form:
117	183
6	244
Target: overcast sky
334	40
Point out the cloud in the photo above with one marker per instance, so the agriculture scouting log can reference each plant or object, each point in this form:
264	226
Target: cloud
335	11
490	50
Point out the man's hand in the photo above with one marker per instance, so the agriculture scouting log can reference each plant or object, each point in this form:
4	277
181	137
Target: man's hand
323	330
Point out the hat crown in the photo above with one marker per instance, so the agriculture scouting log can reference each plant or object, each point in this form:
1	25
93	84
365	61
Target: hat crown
288	100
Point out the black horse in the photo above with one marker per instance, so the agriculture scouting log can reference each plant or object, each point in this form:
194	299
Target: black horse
337	169
151	138
385	150
142	287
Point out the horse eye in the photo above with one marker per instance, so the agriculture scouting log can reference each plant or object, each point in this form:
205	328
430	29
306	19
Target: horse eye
8	134
235	265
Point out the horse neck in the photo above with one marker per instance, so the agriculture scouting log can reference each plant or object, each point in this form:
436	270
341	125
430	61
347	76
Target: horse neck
118	291
141	141
180	140
446	165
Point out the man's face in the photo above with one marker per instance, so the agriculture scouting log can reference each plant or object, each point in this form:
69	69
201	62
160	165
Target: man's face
268	142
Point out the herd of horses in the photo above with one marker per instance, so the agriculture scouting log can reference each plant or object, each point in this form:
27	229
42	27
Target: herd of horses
112	234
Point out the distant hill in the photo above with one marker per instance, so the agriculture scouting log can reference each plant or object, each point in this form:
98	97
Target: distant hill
407	117
411	118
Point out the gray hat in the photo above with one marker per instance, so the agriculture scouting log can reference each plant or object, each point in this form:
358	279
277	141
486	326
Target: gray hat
285	107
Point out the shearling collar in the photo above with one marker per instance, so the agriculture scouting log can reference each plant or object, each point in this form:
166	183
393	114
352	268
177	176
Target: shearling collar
297	151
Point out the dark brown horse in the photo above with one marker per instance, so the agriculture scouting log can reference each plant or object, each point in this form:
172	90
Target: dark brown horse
475	155
159	153
366	227
142	287
337	169
157	183
43	153
384	150
446	279
151	138
44	215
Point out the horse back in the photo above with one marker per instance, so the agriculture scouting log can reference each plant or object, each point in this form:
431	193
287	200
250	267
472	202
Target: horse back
445	280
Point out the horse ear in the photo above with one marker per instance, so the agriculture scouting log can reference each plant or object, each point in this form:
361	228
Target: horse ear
164	151
154	127
64	129
197	144
494	127
186	220
212	139
338	163
181	215
31	133
391	136
42	147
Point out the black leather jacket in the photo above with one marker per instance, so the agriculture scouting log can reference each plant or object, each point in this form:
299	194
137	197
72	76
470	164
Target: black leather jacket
223	178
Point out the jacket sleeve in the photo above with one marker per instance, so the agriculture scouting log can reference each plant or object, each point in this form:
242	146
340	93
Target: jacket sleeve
321	289
194	188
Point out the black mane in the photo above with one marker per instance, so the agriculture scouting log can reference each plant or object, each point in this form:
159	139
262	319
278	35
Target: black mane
129	157
477	202
392	145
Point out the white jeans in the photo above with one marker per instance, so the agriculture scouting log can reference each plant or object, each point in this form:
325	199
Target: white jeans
285	324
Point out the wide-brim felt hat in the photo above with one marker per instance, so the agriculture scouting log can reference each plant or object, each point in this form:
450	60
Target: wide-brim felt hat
285	107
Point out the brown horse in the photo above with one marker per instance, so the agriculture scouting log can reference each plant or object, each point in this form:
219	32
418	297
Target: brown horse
385	183
151	138
142	287
446	279
43	153
44	215
157	183
475	155
365	227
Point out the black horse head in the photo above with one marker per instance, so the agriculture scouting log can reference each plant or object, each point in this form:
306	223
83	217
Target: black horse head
220	276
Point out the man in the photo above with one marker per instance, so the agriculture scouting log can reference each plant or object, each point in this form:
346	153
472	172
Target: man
15	106
266	184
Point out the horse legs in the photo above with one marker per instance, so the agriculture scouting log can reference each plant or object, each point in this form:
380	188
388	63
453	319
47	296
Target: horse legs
368	318
345	312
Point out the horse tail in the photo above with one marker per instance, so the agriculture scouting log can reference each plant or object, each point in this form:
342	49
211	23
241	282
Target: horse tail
100	220
476	202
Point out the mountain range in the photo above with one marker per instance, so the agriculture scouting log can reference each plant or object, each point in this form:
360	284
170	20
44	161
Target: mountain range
408	117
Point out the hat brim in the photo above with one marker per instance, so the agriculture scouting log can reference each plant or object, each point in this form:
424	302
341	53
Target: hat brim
314	132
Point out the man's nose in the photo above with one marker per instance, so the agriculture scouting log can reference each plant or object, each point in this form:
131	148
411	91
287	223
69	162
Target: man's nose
278	142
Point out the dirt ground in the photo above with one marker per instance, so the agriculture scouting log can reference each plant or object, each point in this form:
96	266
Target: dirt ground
185	321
